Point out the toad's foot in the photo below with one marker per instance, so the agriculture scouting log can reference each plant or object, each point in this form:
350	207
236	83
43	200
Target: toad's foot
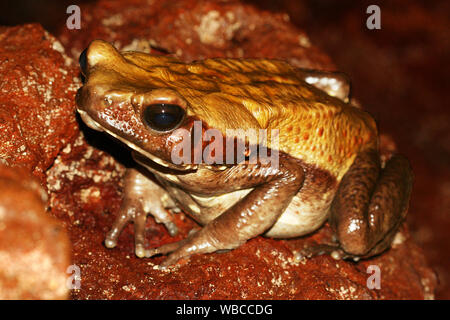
332	250
142	196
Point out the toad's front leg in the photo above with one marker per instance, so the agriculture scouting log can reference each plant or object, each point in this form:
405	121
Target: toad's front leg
273	190
141	197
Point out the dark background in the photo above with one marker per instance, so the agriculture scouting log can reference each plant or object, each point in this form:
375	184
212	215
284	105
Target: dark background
399	73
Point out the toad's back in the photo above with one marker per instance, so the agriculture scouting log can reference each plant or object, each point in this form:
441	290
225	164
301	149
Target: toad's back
271	94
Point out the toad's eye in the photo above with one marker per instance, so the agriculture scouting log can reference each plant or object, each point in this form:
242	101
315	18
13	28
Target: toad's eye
163	117
82	60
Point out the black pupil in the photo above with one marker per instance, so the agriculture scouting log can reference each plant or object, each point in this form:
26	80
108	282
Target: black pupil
163	116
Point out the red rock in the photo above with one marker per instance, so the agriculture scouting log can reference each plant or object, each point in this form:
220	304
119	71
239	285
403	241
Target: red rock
37	119
34	247
38	85
195	29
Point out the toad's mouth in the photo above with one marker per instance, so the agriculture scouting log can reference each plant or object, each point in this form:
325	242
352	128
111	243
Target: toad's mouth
141	153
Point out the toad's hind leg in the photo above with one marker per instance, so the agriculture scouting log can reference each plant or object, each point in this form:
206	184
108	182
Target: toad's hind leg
371	203
141	197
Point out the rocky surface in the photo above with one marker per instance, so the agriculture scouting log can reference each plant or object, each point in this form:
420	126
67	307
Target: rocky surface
193	30
34	247
38	86
85	180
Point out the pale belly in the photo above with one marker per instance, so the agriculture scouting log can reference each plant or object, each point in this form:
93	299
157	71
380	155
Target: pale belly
307	211
301	217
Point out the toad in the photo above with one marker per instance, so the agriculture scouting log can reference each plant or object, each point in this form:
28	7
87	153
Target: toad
324	159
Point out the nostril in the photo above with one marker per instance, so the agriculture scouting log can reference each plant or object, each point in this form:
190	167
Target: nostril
83	97
78	97
83	62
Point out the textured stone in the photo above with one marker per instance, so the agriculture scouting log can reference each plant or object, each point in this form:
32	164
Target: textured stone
37	89
37	118
195	29
34	247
